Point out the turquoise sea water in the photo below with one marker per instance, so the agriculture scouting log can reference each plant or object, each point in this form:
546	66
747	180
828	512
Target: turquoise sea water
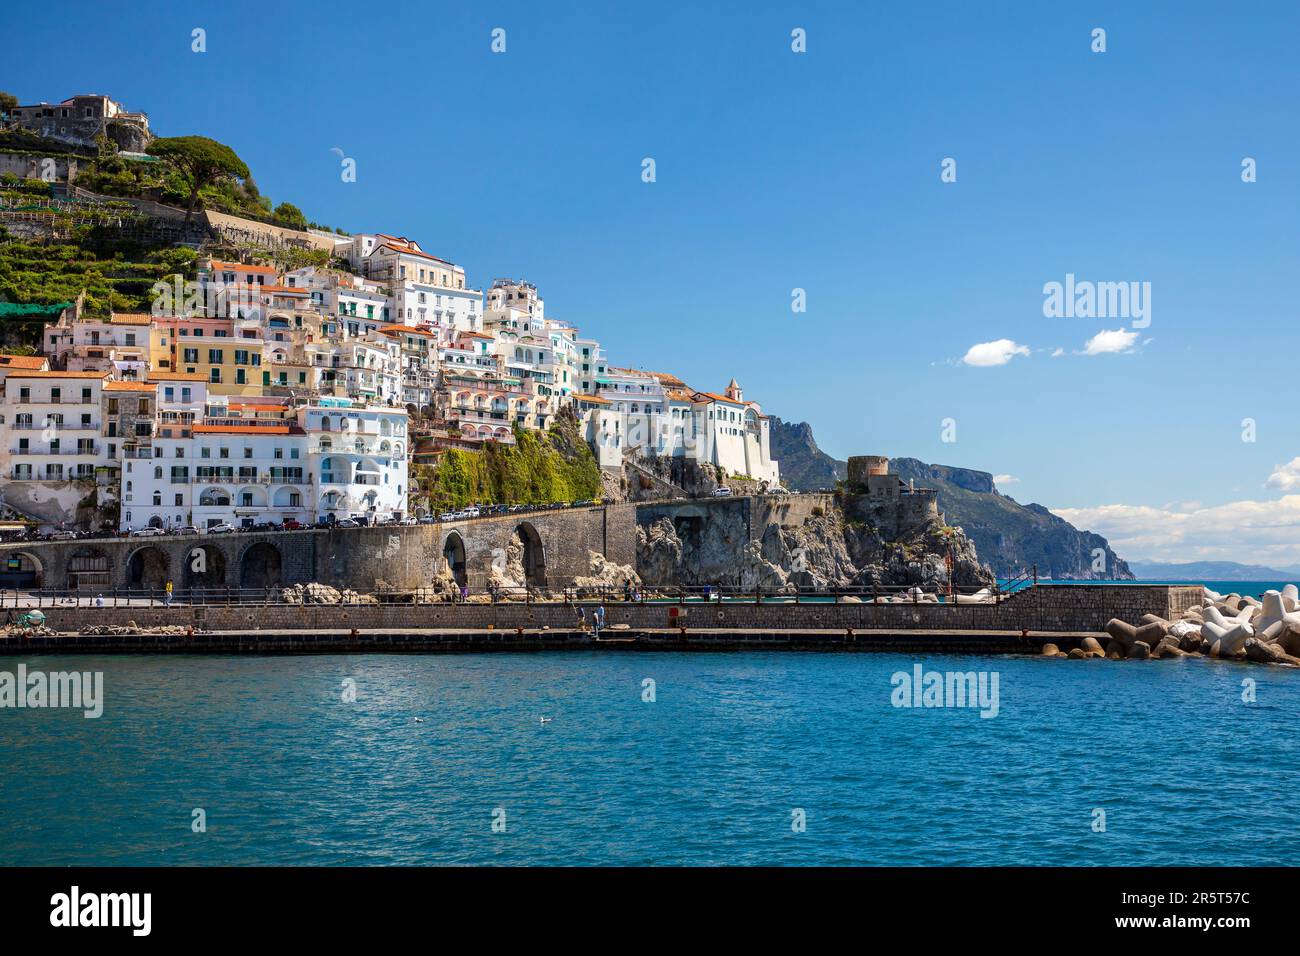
708	773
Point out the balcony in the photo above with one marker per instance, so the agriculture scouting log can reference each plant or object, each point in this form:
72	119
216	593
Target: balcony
57	426
87	451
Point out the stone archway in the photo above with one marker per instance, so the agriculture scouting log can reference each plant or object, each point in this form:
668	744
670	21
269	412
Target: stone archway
205	567
260	566
22	569
148	569
89	570
453	551
534	557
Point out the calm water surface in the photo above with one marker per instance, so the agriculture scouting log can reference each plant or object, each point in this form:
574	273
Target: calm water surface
709	773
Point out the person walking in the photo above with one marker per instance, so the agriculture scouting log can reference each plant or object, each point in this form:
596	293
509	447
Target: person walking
600	618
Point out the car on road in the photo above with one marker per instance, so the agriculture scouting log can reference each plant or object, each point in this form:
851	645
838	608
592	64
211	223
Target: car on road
221	527
449	516
63	535
187	529
148	533
292	524
723	492
428	519
471	512
348	523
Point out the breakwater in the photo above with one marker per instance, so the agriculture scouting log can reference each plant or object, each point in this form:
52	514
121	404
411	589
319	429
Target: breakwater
1063	611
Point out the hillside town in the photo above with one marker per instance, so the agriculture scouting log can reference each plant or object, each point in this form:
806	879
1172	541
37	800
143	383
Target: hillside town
256	394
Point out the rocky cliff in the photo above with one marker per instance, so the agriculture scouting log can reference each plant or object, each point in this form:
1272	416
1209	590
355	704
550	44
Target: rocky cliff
804	466
1009	536
794	545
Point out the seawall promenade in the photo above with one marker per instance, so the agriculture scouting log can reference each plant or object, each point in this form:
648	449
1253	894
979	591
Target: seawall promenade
1064	613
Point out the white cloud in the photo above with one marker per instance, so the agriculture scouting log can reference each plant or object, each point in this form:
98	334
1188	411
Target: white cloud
1005	480
998	352
1058	352
1286	477
1105	342
1255	532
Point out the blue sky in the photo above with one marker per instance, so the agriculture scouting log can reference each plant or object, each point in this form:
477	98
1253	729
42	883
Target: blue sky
820	171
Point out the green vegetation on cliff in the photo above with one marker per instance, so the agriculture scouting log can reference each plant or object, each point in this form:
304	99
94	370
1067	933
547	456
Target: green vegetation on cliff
116	275
536	469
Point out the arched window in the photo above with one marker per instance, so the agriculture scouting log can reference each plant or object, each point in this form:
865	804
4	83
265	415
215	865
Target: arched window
157	498
157	473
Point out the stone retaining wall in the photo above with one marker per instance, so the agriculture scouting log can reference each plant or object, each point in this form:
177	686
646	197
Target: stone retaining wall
1048	607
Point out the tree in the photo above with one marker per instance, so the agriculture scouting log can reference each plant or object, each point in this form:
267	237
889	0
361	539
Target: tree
8	102
201	161
287	214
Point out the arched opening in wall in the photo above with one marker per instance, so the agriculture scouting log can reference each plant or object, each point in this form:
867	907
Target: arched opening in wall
453	550
89	570
260	567
148	570
534	555
22	570
156	521
205	567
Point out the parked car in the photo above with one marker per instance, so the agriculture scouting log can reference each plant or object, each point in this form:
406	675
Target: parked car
723	492
292	524
187	529
63	535
221	527
471	512
428	519
447	516
148	533
349	523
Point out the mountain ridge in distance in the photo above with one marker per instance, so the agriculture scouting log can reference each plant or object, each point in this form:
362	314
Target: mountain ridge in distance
1010	537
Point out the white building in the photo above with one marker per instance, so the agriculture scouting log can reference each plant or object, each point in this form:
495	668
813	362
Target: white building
422	288
52	425
357	459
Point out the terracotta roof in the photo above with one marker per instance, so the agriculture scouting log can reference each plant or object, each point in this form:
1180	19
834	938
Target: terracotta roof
409	251
44	374
594	399
407	330
286	289
218	265
667	379
130	386
30	362
130	318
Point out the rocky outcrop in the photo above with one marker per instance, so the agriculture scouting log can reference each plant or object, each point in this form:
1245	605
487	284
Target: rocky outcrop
323	594
818	550
1010	536
604	576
